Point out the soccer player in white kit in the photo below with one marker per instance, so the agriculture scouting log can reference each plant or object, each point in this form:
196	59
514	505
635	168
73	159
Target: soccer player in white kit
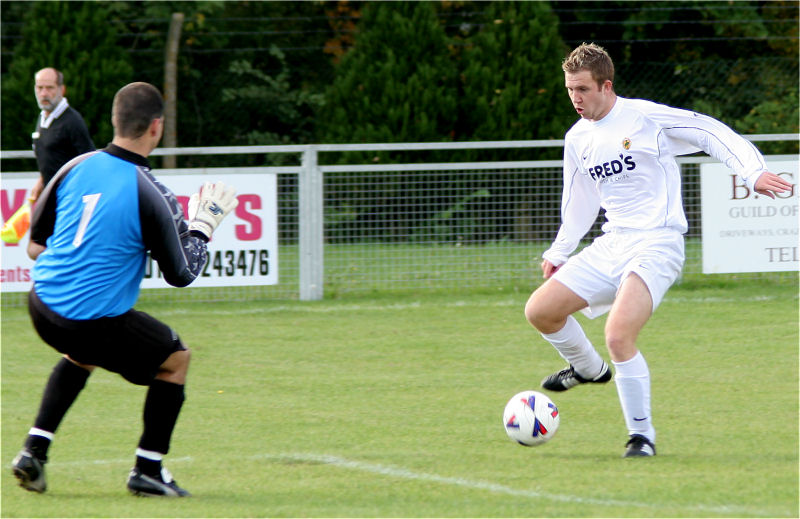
621	156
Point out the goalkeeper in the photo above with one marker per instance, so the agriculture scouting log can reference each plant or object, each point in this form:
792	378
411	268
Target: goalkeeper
90	234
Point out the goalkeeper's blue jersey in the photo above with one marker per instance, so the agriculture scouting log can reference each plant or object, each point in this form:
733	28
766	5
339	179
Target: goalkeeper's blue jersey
98	218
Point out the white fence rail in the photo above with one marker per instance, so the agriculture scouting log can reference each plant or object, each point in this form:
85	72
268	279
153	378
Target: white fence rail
444	225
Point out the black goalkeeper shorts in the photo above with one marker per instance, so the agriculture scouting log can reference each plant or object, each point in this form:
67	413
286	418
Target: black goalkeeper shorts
133	344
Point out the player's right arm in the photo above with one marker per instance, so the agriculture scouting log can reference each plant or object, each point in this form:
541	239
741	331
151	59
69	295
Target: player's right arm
43	222
34	249
548	269
579	207
43	215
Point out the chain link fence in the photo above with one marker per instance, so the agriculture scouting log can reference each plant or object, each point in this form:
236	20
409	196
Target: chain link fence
431	227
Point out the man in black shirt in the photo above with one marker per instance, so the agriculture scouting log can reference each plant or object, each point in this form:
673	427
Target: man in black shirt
61	133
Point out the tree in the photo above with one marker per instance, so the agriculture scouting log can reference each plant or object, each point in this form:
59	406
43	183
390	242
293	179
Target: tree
722	58
398	83
225	55
249	72
94	67
266	108
773	115
513	87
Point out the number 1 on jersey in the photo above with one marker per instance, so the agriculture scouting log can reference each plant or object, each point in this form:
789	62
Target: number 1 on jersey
89	203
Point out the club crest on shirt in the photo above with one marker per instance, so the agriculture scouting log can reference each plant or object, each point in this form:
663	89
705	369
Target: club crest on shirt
626	143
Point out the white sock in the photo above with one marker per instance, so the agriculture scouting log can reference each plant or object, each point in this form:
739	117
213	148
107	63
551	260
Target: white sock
573	345
150	455
35	431
633	386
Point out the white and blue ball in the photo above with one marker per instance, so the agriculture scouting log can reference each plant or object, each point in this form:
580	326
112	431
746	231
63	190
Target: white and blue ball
531	418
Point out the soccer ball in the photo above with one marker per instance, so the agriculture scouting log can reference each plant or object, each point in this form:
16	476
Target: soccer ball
531	418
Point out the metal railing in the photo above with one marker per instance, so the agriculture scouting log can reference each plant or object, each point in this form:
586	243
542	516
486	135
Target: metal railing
445	225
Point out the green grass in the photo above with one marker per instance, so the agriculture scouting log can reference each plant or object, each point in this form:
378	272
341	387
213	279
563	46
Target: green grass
371	269
391	406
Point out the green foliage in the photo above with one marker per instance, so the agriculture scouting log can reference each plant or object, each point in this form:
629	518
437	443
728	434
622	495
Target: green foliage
398	71
721	58
774	115
94	68
513	87
266	108
398	84
238	89
194	12
406	80
454	224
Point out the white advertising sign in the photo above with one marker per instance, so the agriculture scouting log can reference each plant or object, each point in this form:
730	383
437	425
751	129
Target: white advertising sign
744	231
243	251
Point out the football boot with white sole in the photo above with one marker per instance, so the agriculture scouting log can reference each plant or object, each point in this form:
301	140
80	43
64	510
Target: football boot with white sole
568	378
639	446
161	486
29	470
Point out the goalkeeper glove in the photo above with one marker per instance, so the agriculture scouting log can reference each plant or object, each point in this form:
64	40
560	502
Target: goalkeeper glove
208	207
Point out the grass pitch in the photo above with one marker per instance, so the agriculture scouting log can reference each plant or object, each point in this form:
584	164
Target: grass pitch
391	406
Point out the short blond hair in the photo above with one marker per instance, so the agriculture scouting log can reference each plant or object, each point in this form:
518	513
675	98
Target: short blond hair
591	57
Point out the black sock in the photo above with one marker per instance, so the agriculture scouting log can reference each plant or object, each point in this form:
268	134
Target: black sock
65	383
38	446
148	467
161	409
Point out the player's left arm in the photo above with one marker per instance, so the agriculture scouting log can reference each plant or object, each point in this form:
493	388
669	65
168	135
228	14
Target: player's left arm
769	184
689	132
580	205
181	254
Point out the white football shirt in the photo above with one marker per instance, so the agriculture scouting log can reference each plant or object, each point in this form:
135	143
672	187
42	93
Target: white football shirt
625	163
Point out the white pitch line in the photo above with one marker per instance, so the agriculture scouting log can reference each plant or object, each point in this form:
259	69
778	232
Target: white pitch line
403	473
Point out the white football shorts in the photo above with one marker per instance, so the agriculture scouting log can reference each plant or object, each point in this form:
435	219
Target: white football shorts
596	272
